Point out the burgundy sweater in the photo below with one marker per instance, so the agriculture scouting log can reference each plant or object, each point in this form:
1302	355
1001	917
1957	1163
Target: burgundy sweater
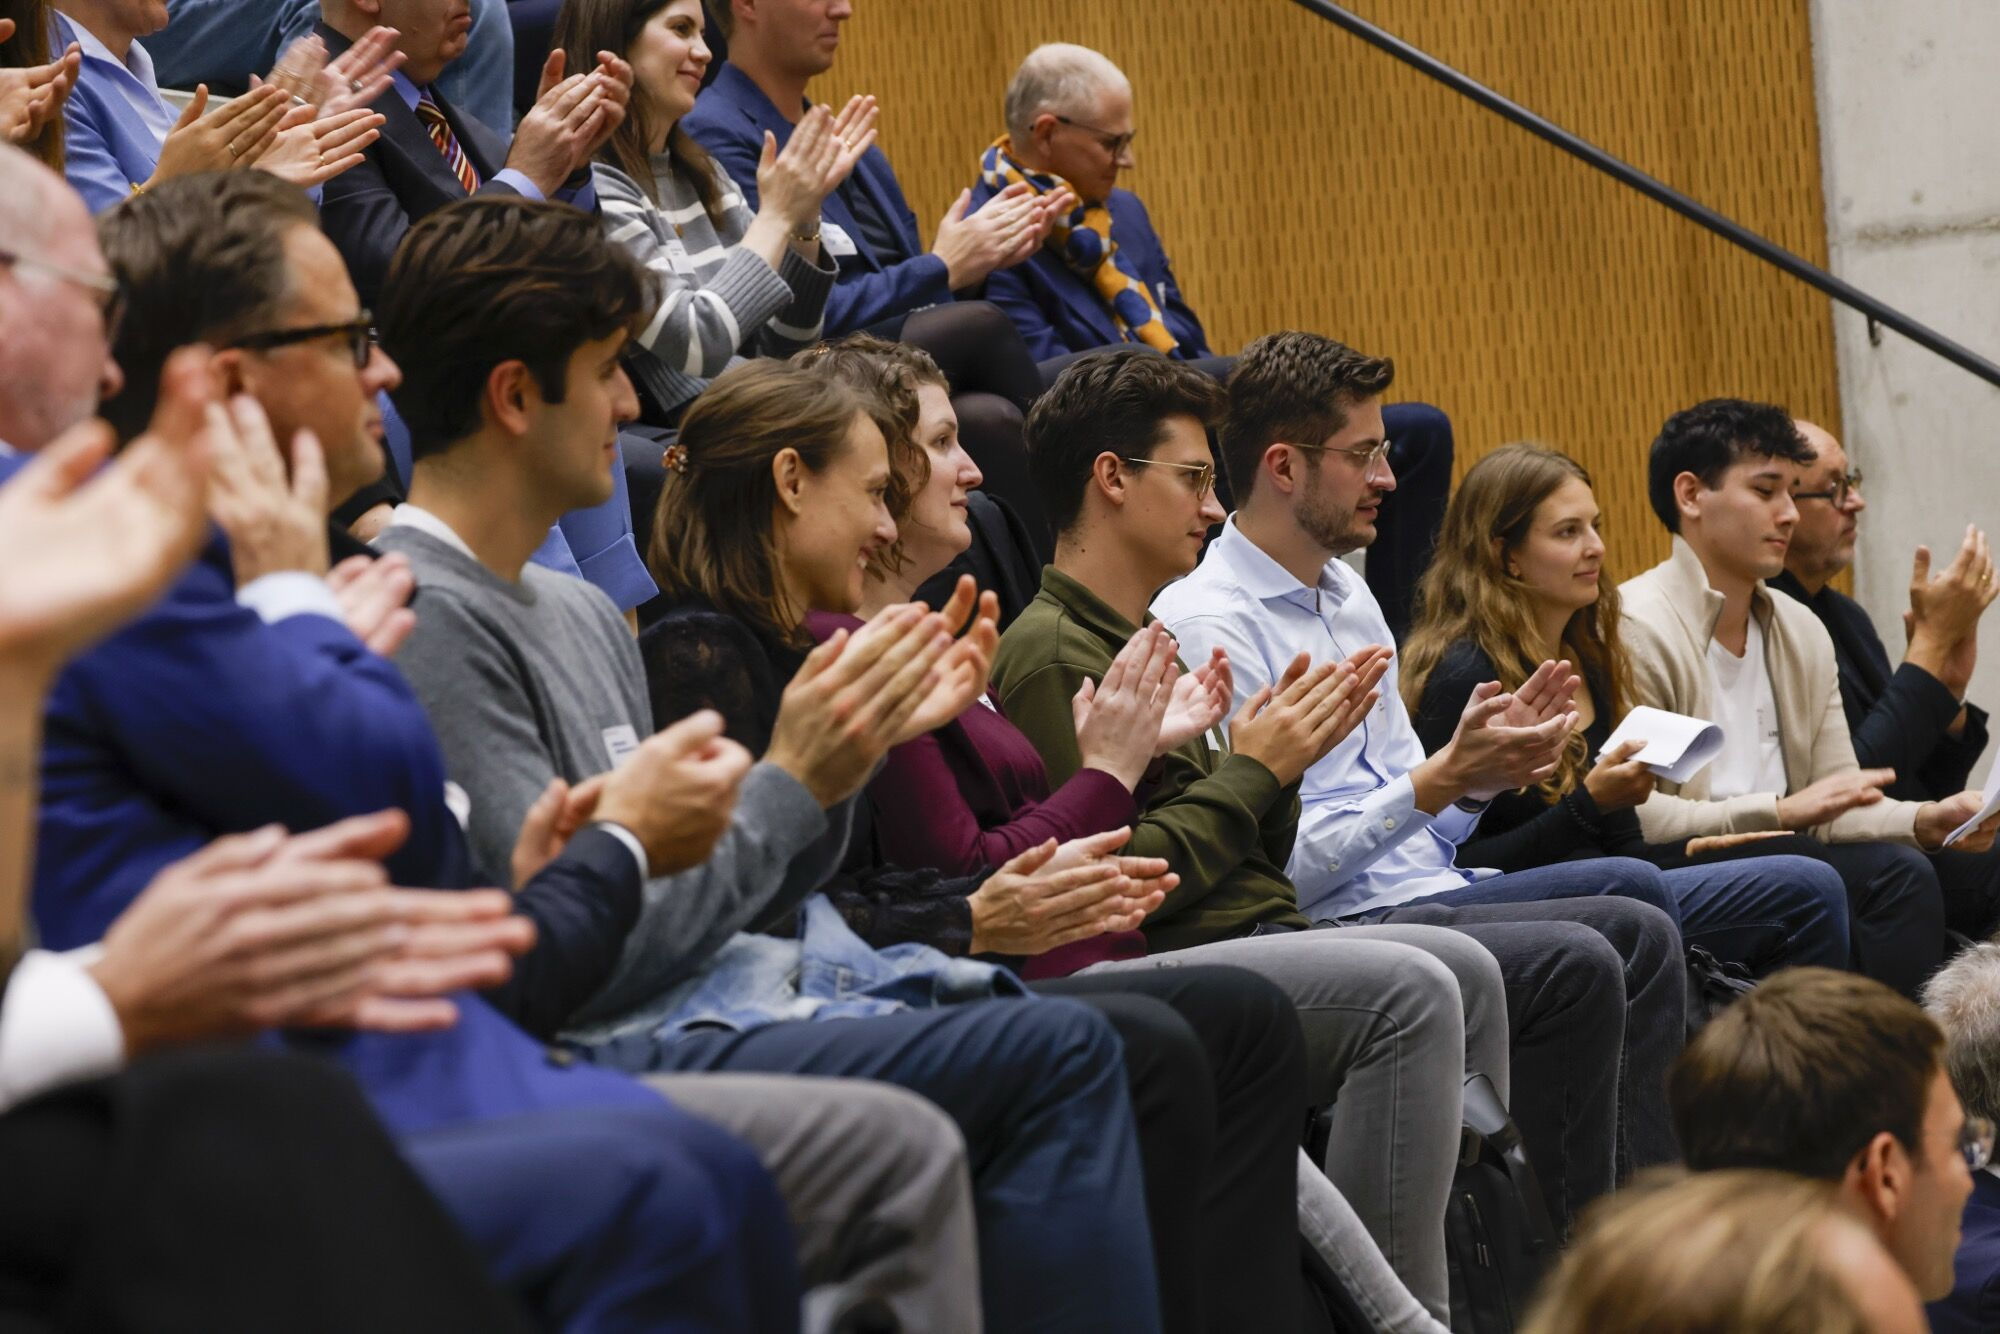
973	794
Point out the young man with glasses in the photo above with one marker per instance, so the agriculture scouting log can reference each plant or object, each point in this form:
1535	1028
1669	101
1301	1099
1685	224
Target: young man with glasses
1706	638
1119	448
1833	1076
1912	717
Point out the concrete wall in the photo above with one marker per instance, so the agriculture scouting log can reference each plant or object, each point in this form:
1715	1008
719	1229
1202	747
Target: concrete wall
1909	112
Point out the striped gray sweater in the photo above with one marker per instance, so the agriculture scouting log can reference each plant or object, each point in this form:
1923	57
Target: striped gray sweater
719	301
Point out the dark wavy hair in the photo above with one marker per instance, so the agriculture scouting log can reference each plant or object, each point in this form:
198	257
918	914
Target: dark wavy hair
1708	438
489	280
585	27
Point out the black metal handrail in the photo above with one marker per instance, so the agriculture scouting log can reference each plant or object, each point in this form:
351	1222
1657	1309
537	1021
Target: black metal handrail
1877	311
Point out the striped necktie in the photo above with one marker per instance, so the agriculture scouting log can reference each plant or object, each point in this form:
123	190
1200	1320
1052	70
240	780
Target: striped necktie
447	143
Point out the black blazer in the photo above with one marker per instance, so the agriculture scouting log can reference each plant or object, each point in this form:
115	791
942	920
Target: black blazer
401	179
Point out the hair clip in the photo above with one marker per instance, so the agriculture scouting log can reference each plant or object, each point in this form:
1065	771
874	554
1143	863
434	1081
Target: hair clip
676	459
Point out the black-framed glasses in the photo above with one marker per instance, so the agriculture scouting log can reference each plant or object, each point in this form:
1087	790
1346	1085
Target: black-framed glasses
359	334
1369	457
1115	144
1842	488
109	291
1975	1142
1203	480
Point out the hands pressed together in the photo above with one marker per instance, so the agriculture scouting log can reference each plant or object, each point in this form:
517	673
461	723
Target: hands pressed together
572	118
33	97
1292	724
1053	895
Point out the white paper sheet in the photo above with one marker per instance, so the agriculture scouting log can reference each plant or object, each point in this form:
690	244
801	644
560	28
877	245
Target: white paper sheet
1991	805
1677	747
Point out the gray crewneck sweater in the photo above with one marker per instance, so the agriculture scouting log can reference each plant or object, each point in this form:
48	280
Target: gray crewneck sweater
540	679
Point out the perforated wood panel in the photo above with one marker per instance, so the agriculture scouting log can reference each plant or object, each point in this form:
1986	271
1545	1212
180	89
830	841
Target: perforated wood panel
1303	179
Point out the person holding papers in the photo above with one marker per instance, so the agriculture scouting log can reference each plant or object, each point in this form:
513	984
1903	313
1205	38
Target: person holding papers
1707	638
1517	579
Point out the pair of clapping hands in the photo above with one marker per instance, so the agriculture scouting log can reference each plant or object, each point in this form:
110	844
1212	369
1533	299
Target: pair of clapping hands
32	97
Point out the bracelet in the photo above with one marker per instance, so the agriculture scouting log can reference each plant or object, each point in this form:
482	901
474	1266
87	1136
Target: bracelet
808	238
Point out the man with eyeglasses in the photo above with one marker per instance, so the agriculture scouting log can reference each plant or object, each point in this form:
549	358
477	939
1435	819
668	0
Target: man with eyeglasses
1119	449
1102	279
1911	717
1834	1076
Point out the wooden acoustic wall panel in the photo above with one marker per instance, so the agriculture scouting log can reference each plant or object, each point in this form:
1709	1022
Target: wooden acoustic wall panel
1302	179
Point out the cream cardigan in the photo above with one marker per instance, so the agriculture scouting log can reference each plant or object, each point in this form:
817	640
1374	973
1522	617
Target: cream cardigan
1668	620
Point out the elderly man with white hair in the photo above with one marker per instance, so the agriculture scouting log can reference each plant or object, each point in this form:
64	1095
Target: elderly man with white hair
1964	999
1102	279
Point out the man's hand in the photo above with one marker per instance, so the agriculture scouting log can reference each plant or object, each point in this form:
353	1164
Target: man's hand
374	597
1618	782
273	522
1837	794
1118	719
1936	820
1200	701
973	245
1050	896
85	545
571	119
1723	842
853	699
1290	727
236	134
550	823
354	79
311	150
1944	611
1486	755
677	792
265	930
965	668
32	97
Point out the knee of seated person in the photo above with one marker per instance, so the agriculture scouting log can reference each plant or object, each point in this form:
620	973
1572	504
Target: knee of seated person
1640	881
1589	961
1810	874
980	319
925	1140
1066	1036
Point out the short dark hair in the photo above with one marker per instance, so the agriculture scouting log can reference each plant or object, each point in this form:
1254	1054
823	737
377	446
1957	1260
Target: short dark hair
1801	1073
1117	401
1292	386
202	260
1712	436
486	281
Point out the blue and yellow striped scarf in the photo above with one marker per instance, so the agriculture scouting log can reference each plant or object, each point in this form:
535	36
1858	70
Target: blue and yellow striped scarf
1083	240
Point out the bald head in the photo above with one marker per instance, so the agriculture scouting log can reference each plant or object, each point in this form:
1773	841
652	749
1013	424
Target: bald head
1069	114
55	359
1060	78
1823	542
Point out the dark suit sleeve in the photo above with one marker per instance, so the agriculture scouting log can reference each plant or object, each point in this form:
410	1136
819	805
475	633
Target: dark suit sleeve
1949	768
364	219
1011	290
584	905
1906	725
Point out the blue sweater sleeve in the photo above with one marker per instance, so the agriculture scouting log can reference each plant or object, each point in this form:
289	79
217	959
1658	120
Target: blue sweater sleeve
199	719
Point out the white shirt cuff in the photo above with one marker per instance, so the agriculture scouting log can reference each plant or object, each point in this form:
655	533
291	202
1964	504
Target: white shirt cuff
275	597
56	1027
631	842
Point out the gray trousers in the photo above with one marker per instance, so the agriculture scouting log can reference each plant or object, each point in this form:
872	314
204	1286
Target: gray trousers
1395	1018
875	1180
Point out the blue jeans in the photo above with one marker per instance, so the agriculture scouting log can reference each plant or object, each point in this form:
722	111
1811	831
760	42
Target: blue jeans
1765	913
1038	1088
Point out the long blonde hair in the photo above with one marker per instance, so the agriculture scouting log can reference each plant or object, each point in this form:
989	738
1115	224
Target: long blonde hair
1467	594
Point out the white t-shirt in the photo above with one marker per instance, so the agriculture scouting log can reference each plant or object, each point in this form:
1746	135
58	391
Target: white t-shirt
1752	760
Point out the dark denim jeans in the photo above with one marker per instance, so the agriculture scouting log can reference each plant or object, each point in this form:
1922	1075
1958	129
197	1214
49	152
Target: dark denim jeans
1038	1088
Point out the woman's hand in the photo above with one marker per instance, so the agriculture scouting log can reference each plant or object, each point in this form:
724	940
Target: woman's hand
233	135
791	180
1118	719
1618	782
1051	896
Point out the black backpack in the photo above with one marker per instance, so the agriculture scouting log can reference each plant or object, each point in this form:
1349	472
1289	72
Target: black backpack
1497	1235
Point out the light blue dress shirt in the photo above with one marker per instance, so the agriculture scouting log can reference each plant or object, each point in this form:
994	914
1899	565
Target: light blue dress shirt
114	121
1362	843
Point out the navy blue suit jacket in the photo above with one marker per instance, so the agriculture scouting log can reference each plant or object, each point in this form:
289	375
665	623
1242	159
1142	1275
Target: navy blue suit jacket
1058	311
1974	1304
729	120
198	719
402	178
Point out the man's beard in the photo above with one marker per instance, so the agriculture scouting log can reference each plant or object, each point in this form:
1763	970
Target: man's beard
1329	525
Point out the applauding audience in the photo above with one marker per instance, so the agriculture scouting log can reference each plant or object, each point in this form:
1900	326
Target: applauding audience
1914	717
1708	640
1518	579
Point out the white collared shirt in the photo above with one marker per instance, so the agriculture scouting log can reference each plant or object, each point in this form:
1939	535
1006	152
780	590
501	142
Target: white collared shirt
56	1026
1362	843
